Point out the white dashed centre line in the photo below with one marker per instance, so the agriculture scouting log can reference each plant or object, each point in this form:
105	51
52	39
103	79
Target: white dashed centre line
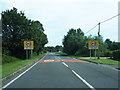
65	64
84	81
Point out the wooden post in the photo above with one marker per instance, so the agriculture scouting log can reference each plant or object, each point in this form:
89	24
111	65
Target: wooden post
99	40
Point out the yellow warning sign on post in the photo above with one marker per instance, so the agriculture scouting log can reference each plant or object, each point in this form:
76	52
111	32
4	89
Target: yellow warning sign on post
93	44
28	45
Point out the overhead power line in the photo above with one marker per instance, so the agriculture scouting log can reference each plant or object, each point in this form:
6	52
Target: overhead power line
110	18
99	32
91	29
101	23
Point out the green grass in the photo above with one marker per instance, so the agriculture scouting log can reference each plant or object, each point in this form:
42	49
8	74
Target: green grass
0	71
13	66
0	58
64	54
101	61
0	66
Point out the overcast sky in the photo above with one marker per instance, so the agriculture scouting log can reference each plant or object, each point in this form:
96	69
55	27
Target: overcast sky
58	16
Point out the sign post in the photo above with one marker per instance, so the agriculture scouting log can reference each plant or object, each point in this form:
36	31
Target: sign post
93	45
95	53
90	53
28	45
26	54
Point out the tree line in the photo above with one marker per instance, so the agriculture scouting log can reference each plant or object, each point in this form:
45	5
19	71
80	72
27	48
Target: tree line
76	43
17	28
57	48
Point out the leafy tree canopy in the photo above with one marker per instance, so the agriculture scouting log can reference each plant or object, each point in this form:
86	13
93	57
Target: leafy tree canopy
16	28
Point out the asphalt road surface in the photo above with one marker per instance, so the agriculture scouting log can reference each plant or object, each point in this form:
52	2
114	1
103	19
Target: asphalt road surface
56	71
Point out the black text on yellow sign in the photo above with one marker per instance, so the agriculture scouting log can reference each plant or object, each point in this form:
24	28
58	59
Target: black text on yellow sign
28	45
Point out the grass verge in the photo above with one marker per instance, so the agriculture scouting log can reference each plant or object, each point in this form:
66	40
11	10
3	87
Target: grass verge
0	66
101	61
0	75
9	68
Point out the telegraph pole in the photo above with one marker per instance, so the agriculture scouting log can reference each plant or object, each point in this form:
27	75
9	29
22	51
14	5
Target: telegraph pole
99	40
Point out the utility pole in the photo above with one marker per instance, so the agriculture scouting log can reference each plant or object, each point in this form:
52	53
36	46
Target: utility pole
99	40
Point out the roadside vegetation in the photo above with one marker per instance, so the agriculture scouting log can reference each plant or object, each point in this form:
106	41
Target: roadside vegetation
0	65
0	71
102	60
76	43
57	48
17	28
16	63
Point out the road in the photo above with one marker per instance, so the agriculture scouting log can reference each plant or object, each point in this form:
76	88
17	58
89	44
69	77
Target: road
56	71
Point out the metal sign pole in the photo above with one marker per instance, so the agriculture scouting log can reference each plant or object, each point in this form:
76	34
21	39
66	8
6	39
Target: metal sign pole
26	54
31	53
90	53
95	53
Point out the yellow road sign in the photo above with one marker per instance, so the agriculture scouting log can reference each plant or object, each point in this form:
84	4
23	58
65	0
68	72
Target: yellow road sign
93	44
28	45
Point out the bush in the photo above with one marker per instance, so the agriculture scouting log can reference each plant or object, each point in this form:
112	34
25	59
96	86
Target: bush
8	59
116	55
83	52
108	54
5	51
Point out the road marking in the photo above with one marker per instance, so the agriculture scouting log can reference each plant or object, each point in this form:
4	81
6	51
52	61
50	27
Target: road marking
48	61
84	81
73	60
19	75
65	64
57	57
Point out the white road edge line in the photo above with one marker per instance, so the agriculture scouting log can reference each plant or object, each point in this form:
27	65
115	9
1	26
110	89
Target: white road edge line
65	64
20	75
84	81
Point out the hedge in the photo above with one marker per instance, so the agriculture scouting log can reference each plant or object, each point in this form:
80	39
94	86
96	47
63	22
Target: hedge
116	55
8	59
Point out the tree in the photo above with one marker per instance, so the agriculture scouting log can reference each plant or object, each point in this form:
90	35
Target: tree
16	29
53	49
58	48
115	45
73	41
109	43
49	48
112	45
